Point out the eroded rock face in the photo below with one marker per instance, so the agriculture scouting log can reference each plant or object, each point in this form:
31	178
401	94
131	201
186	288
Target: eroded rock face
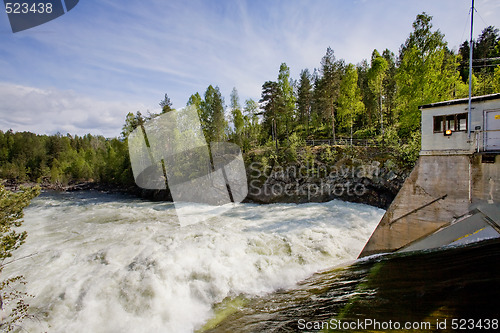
371	184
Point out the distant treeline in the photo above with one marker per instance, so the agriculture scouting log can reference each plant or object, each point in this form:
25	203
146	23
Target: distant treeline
376	99
58	159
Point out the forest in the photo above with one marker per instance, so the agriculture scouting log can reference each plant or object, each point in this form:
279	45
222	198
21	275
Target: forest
375	101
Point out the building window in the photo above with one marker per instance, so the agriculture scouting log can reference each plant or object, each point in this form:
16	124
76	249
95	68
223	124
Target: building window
462	122
438	124
453	122
450	122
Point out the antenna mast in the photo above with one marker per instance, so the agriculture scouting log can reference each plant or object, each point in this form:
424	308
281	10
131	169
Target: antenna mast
470	69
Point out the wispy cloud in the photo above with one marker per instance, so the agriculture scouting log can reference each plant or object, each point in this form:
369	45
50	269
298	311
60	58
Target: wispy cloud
49	111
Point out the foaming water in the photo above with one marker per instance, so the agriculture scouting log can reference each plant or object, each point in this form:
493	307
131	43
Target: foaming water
107	263
449	289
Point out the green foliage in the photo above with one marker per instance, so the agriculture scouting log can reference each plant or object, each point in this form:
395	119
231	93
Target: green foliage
328	155
409	152
60	159
294	143
251	127
238	120
427	73
496	79
271	101
487	82
195	100
166	104
271	153
486	50
211	113
287	99
376	76
131	123
365	133
304	100
278	103
11	212
308	157
389	138
328	88
405	152
350	104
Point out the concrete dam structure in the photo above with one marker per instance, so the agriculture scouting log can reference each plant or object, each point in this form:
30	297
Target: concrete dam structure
452	195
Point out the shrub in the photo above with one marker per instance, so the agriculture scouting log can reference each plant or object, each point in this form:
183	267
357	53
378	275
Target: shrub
11	212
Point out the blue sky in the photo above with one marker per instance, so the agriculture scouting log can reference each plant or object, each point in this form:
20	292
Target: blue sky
84	71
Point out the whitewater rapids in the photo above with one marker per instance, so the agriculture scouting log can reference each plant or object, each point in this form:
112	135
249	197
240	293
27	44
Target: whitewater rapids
110	263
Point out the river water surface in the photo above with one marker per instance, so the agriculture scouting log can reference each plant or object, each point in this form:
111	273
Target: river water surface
110	263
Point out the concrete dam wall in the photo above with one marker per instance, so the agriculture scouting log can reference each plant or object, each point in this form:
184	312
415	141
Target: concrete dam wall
440	190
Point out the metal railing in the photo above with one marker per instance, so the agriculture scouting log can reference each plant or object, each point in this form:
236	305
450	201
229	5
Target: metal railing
343	142
481	143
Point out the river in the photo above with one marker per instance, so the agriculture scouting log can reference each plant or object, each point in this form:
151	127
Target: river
113	263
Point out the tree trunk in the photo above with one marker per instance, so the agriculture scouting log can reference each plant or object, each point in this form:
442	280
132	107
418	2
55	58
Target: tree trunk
381	115
275	133
333	125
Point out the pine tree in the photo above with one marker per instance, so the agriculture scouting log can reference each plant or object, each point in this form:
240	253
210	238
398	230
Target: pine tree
376	76
329	86
304	99
212	116
252	127
390	87
271	101
166	104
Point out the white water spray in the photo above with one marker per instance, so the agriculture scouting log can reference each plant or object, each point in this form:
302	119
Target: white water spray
112	264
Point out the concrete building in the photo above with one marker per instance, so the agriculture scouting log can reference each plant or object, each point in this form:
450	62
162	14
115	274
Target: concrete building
451	116
452	195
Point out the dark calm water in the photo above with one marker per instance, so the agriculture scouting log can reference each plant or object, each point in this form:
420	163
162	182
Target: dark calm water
447	290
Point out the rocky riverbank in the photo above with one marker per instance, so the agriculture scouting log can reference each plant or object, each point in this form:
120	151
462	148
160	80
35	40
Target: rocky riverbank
154	195
13	185
369	175
370	184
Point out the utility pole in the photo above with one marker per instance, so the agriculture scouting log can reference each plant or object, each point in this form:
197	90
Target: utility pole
470	70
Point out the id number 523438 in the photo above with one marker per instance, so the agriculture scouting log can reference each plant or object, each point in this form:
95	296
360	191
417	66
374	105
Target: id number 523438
479	324
25	8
